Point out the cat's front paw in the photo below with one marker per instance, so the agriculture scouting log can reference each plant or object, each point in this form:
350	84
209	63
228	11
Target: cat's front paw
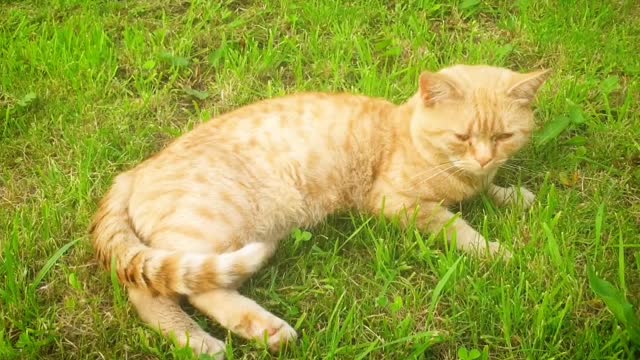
498	251
517	195
527	196
512	195
476	244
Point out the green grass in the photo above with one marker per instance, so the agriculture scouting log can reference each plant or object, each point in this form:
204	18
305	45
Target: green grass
90	88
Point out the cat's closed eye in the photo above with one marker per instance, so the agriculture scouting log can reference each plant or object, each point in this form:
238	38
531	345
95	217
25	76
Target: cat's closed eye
462	137
501	137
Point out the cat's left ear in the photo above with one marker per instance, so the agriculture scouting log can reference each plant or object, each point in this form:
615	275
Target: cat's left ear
526	85
437	87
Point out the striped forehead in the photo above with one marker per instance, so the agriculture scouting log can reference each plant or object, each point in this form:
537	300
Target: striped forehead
486	115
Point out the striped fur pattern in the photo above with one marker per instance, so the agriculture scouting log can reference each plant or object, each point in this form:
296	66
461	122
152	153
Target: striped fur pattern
205	213
164	272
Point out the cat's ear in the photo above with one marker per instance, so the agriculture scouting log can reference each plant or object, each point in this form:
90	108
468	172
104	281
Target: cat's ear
526	85
435	87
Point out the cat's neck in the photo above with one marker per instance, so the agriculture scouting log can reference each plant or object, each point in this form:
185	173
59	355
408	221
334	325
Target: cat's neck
402	118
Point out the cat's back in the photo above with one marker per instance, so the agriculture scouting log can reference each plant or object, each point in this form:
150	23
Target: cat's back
311	132
293	127
295	110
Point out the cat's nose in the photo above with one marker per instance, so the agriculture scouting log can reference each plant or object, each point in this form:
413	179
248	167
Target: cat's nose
483	153
483	159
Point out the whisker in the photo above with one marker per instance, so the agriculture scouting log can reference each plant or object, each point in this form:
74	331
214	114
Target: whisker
422	173
422	181
519	169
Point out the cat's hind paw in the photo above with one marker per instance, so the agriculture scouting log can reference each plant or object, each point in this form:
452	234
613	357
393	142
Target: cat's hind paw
202	343
281	336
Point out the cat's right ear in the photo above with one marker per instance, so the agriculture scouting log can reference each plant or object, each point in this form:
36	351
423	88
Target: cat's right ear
526	85
436	87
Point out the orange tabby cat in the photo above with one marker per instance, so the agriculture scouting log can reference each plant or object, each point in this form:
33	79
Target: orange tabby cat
205	213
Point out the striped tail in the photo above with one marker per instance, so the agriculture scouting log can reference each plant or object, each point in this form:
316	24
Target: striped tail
162	271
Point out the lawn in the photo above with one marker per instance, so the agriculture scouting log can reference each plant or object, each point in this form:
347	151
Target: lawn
90	88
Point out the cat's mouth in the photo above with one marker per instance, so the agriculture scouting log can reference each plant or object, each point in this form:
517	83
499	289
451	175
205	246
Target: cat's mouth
474	168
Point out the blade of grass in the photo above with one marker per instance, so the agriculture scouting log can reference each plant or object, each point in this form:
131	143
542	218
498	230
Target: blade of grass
552	246
51	262
617	304
437	291
599	219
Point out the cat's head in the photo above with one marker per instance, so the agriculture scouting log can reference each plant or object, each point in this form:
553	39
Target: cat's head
475	116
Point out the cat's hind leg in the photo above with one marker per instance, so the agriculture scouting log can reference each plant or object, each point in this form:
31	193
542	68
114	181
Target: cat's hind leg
244	317
166	315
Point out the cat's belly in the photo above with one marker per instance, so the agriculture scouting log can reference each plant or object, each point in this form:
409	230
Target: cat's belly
284	206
